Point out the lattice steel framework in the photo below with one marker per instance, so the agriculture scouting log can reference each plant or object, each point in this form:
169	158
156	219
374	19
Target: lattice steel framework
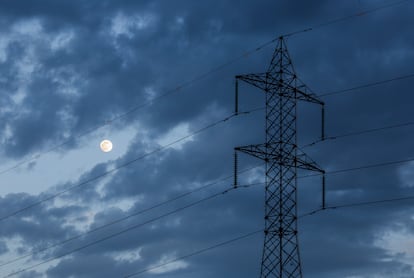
282	157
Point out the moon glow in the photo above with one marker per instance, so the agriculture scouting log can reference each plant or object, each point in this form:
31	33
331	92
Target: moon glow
106	146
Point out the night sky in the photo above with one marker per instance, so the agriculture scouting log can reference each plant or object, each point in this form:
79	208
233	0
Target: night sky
157	78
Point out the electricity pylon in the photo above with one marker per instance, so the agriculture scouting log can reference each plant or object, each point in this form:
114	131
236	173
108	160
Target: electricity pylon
282	158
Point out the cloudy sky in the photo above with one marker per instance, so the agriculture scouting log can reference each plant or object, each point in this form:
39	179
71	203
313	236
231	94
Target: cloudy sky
157	78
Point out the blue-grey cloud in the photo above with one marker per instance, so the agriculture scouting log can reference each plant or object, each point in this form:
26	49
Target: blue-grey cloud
68	67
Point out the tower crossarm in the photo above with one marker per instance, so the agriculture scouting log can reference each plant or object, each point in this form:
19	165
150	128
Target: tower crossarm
282	157
263	82
303	161
258	151
304	94
259	80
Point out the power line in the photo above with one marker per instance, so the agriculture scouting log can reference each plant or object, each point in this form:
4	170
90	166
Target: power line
362	86
366	85
383	164
174	142
247	235
128	216
366	203
143	105
206	249
210	197
365	131
194	253
194	80
106	173
179	140
345	18
370	130
133	227
361	132
372	202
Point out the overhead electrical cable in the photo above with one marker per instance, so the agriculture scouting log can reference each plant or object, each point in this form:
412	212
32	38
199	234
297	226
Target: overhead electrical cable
348	17
198	252
113	235
369	166
360	132
358	204
210	126
117	168
383	164
347	90
363	167
363	86
124	218
247	235
375	202
141	106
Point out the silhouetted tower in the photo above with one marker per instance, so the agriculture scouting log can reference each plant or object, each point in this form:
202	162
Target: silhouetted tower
282	157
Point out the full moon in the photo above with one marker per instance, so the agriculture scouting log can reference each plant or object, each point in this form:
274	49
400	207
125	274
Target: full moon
106	146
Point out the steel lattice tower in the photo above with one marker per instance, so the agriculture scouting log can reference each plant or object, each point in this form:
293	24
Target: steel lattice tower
282	158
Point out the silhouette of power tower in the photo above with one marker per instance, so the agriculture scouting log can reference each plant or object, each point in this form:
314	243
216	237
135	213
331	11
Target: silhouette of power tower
282	158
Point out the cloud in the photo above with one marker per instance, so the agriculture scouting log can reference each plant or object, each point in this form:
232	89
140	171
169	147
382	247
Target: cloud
68	68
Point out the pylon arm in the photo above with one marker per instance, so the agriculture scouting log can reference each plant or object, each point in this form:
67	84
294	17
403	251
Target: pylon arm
299	160
258	80
258	151
302	93
307	93
306	163
262	82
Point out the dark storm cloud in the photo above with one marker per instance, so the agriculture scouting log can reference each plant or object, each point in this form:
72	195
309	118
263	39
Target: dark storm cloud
98	74
148	59
165	239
